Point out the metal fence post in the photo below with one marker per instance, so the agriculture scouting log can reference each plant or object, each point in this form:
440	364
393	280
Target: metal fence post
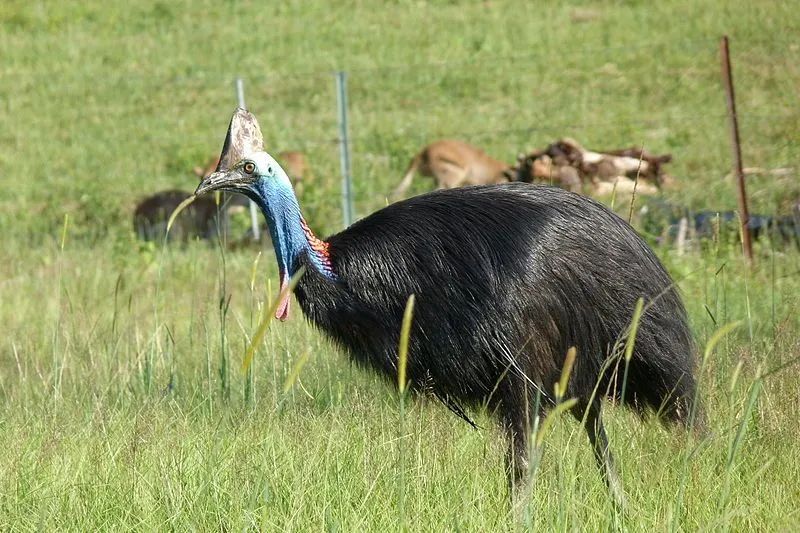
344	148
253	209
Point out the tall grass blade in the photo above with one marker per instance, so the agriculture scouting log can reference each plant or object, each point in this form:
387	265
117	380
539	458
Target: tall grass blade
64	231
253	272
755	389
718	335
735	376
614	194
630	343
295	371
566	371
402	383
736	444
637	316
564	406
635	185
402	352
267	318
709	349
181	207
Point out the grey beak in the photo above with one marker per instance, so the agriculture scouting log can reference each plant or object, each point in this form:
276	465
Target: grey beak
213	182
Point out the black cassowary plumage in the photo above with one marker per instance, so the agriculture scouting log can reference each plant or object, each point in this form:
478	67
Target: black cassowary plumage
507	278
504	275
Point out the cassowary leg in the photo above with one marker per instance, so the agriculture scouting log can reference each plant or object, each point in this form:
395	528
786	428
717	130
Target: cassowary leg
602	451
516	452
518	464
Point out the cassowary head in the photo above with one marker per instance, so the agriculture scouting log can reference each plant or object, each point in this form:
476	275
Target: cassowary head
257	175
245	168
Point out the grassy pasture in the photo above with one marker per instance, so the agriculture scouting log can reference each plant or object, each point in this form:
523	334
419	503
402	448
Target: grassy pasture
122	403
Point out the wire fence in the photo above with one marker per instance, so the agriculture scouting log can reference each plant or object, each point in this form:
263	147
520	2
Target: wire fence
609	97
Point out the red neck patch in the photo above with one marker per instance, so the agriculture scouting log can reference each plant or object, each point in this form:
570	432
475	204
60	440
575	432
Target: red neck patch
321	248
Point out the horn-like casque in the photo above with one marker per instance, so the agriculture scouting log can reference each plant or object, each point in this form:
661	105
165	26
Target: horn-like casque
244	137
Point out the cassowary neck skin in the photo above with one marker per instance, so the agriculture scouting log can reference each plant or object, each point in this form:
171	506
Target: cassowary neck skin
262	179
291	236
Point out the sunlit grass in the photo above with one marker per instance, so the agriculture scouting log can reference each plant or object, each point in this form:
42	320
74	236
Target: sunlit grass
121	401
143	434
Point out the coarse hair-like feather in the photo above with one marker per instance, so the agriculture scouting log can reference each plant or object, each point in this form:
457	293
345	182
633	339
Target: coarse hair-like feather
507	275
507	278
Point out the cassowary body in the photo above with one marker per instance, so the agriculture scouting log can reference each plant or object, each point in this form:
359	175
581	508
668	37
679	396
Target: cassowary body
507	278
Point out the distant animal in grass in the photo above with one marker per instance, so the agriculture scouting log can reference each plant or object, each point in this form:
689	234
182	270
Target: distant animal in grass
453	164
664	219
201	220
537	167
571	166
507	279
297	168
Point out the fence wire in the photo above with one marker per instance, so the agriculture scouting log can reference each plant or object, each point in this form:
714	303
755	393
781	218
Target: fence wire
504	104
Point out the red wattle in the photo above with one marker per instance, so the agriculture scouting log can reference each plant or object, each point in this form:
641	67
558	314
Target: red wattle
282	313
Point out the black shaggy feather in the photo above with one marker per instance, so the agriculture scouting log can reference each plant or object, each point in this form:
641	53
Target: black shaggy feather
507	278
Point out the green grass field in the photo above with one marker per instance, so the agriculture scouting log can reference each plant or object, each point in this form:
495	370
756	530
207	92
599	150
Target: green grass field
122	400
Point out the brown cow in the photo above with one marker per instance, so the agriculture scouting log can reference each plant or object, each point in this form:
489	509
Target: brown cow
568	164
454	164
539	167
200	220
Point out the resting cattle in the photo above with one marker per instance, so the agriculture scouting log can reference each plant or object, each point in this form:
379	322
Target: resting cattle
200	220
569	165
453	164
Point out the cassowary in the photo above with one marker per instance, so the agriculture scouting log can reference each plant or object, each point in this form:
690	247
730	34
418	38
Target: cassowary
507	278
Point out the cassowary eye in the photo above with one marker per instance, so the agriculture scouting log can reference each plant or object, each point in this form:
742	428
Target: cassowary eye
249	167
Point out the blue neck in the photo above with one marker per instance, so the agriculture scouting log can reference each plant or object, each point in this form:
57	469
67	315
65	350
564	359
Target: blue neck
286	227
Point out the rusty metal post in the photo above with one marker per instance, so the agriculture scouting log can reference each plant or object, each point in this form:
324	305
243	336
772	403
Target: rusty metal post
738	171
